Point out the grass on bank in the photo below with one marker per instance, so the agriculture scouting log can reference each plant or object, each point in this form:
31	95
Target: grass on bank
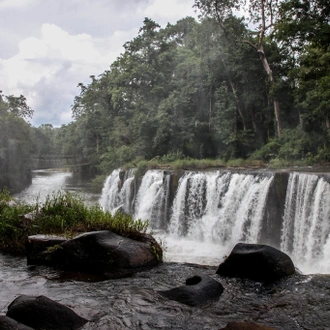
205	164
62	214
191	164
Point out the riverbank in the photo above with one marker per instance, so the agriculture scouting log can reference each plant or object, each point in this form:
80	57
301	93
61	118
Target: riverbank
296	303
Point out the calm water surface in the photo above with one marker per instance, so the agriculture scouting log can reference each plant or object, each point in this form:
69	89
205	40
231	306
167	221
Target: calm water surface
47	182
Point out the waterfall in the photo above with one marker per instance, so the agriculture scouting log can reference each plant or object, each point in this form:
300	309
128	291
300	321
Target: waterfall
151	200
209	212
306	222
118	193
220	207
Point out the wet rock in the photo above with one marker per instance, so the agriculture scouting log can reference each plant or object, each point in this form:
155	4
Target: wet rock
103	252
43	313
261	263
198	291
245	326
7	323
39	248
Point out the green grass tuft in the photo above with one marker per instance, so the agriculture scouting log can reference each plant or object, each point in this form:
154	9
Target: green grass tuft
62	214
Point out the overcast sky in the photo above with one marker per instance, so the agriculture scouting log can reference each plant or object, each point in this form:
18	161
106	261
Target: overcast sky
47	47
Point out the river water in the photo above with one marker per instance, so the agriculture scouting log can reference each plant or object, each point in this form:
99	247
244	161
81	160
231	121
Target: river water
176	249
207	233
298	303
47	182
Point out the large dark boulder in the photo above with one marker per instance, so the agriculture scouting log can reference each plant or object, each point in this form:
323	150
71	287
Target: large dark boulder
104	252
246	326
7	323
261	263
198	291
40	247
43	313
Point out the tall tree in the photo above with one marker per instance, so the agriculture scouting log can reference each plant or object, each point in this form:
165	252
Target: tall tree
304	29
15	142
18	106
262	14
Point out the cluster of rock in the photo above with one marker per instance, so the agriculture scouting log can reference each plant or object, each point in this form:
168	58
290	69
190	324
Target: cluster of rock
260	263
104	252
256	262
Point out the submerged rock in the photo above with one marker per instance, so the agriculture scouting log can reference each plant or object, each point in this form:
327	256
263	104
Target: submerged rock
44	313
297	302
257	262
199	290
246	326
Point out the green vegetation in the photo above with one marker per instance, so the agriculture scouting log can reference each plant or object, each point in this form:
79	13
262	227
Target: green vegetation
62	214
194	92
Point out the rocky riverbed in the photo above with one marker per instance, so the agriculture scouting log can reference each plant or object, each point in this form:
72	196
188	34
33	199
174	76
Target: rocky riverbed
298	302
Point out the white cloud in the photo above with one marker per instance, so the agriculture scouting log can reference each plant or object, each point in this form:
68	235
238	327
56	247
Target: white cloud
56	61
54	45
170	10
4	4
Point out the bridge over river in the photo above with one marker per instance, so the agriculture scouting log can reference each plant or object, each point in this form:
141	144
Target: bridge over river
57	161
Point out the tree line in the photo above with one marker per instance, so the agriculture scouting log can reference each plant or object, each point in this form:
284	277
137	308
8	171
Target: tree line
20	142
225	86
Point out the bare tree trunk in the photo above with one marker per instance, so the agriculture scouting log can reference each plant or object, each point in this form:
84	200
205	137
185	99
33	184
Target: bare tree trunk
234	90
276	103
253	120
210	109
97	144
238	106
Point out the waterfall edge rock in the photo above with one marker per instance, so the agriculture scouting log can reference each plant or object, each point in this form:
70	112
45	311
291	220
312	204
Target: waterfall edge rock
257	262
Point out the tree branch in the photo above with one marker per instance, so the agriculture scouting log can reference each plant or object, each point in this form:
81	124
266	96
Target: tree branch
250	44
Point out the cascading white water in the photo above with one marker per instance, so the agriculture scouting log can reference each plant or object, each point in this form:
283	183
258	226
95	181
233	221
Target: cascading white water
151	199
214	211
306	222
220	207
117	194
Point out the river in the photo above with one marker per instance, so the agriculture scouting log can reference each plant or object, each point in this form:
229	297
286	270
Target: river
46	182
298	303
197	230
176	249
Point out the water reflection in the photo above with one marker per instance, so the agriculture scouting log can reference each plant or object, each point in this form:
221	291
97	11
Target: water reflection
46	182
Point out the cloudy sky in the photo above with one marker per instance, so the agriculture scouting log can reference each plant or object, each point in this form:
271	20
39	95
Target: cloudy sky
47	47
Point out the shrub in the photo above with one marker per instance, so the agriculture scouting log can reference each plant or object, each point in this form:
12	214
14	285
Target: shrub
62	214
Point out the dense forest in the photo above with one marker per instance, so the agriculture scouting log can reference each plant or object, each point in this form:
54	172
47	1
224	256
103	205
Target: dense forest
225	87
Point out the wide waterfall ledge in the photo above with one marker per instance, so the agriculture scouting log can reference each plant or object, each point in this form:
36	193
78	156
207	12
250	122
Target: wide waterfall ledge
200	216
